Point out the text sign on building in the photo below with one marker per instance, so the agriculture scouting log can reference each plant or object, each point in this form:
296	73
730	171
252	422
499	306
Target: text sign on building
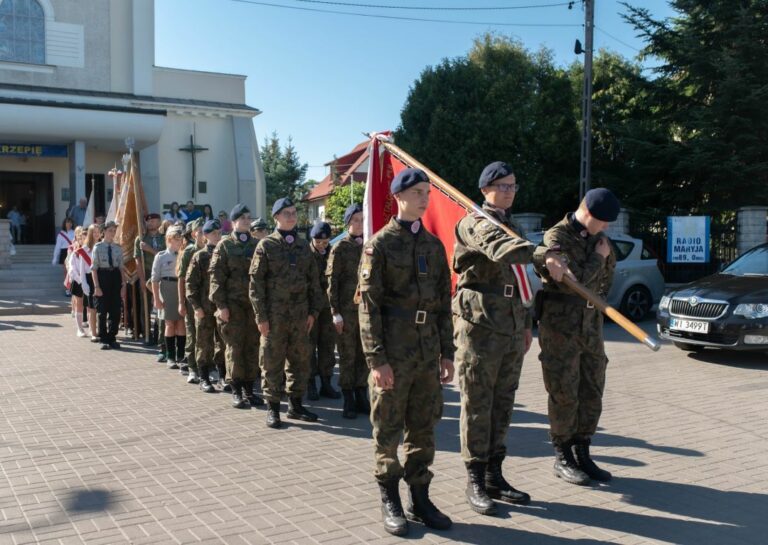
32	150
688	239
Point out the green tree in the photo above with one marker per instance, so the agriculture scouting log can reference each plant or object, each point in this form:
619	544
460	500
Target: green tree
499	102
283	170
711	95
339	200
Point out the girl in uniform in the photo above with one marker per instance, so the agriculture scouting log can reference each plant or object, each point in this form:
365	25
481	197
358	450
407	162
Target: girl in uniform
166	296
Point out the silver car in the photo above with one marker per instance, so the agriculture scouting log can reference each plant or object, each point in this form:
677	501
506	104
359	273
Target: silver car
637	283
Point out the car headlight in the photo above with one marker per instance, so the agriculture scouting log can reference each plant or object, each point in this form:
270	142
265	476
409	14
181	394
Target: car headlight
753	311
664	303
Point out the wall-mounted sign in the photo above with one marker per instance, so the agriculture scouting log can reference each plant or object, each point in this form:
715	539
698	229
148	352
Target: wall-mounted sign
688	239
32	150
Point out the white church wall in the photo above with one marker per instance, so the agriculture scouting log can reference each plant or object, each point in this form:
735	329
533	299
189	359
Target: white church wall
172	82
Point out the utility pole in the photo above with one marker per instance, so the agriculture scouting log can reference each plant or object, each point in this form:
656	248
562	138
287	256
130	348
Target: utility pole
585	179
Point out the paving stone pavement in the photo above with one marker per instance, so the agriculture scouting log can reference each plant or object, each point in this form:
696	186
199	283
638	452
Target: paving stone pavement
110	447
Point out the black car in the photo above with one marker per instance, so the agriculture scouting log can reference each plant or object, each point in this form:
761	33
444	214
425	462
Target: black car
727	310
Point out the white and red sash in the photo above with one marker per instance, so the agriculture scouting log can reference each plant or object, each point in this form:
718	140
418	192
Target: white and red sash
523	284
65	237
84	256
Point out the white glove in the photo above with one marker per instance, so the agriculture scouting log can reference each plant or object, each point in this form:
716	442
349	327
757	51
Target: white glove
337	319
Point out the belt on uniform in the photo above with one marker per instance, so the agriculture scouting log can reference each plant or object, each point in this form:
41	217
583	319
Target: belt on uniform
419	317
108	269
507	290
574	300
169	278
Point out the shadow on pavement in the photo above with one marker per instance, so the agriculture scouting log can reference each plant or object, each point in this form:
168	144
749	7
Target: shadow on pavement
20	325
481	534
88	501
757	361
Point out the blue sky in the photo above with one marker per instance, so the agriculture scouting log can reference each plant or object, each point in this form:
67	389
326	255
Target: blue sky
324	78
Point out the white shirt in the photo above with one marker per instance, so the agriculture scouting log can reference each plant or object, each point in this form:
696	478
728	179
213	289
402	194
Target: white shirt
78	268
164	265
62	244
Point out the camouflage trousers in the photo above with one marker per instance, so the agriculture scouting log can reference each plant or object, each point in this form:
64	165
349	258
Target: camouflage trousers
408	412
574	367
489	366
189	346
209	348
353	371
285	350
242	348
322	340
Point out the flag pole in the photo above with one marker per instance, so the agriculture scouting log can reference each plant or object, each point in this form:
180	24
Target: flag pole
140	227
470	206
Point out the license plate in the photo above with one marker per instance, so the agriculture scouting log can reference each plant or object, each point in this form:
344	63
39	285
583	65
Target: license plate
692	326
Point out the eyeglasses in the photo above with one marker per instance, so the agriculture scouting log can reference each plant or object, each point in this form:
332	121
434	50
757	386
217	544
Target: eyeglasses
506	188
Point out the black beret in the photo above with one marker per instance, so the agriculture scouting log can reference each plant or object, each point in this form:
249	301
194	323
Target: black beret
602	204
211	226
280	204
406	178
109	224
494	171
351	210
237	211
258	223
152	216
320	230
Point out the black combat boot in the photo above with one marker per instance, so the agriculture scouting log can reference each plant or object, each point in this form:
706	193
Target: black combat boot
565	465
361	401
253	398
585	462
205	381
326	390
349	405
273	416
238	401
498	487
312	394
421	509
392	514
297	411
477	495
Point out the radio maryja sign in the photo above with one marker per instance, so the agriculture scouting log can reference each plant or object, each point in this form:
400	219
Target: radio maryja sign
688	239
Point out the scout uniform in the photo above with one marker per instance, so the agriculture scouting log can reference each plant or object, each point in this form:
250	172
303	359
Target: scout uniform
107	266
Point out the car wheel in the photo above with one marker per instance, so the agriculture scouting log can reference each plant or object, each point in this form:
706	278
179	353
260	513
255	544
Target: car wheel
636	303
688	347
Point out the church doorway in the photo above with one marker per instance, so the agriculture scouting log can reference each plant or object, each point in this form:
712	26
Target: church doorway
32	195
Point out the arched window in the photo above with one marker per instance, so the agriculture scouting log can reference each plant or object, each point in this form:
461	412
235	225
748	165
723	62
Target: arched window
22	31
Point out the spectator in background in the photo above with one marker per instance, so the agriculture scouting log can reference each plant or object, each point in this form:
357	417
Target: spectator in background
77	213
15	218
23	220
226	225
99	220
174	214
207	213
191	212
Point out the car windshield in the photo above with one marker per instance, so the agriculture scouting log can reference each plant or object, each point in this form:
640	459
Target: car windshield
753	263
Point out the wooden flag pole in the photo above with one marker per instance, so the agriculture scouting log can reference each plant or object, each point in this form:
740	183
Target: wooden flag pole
140	227
470	206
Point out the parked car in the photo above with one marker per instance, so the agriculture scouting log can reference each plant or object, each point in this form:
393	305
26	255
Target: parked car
637	283
726	310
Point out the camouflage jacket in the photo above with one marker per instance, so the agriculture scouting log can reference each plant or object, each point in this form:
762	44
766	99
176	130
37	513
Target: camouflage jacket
590	268
483	256
229	271
284	280
342	274
404	273
157	242
321	261
186	258
197	280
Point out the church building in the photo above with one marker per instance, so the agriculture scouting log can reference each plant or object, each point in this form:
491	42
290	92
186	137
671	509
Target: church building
78	78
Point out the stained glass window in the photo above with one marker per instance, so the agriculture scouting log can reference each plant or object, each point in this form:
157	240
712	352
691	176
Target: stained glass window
22	31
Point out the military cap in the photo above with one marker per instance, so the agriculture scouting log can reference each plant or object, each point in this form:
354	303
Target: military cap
237	211
493	172
320	230
602	204
174	230
109	224
211	226
406	178
192	226
351	210
152	216
281	204
258	223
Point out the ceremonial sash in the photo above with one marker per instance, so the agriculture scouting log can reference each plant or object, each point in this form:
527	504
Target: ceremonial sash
64	235
523	284
84	255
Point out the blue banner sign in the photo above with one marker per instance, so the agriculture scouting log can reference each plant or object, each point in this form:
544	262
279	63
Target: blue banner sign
32	150
688	239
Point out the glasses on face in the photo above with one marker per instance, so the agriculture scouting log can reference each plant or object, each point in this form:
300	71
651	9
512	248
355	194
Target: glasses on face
506	188
289	213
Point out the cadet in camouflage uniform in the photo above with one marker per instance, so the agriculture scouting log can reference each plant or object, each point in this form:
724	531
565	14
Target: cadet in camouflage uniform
492	334
194	232
150	244
342	285
259	229
208	353
322	337
407	336
571	334
286	298
229	292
